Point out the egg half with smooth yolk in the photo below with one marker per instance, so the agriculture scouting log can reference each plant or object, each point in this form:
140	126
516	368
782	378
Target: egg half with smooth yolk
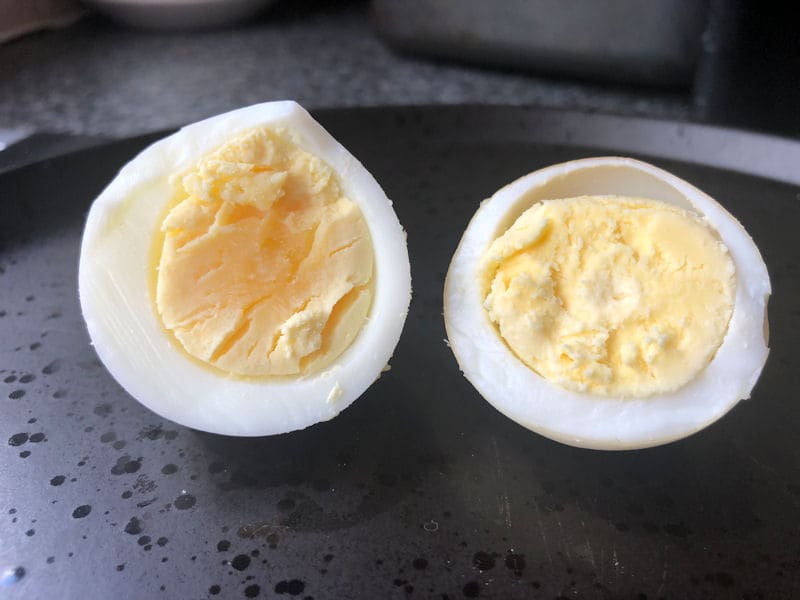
606	303
245	275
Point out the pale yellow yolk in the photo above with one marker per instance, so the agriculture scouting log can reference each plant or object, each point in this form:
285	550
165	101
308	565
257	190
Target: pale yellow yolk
613	296
266	266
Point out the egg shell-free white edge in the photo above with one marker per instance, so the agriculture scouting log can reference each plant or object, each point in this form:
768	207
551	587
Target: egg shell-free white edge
128	338
581	419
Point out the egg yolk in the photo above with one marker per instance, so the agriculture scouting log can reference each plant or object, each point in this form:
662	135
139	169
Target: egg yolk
266	266
614	296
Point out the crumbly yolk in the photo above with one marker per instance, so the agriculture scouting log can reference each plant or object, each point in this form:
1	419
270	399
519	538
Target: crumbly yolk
613	296
266	266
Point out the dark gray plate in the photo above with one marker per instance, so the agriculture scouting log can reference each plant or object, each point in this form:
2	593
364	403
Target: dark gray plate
420	489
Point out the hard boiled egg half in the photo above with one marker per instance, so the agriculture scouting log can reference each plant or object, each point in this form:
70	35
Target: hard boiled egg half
606	303
245	275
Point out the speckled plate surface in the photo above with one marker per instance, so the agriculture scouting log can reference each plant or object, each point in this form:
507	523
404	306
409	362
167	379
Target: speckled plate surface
420	489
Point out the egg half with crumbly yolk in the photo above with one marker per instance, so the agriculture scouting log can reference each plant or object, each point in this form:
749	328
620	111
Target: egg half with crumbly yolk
606	303
245	275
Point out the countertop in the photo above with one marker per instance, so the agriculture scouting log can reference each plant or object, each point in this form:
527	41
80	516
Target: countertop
96	78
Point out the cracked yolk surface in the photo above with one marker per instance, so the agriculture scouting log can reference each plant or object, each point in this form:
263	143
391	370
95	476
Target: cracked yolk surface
266	266
614	296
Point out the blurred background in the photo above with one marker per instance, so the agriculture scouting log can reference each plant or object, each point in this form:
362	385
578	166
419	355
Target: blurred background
111	68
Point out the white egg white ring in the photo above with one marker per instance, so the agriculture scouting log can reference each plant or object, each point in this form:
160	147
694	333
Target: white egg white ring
125	331
581	419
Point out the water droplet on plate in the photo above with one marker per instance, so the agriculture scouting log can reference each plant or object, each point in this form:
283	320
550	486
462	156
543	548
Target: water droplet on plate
9	577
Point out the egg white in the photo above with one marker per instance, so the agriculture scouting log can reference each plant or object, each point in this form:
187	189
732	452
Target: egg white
115	270
581	419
